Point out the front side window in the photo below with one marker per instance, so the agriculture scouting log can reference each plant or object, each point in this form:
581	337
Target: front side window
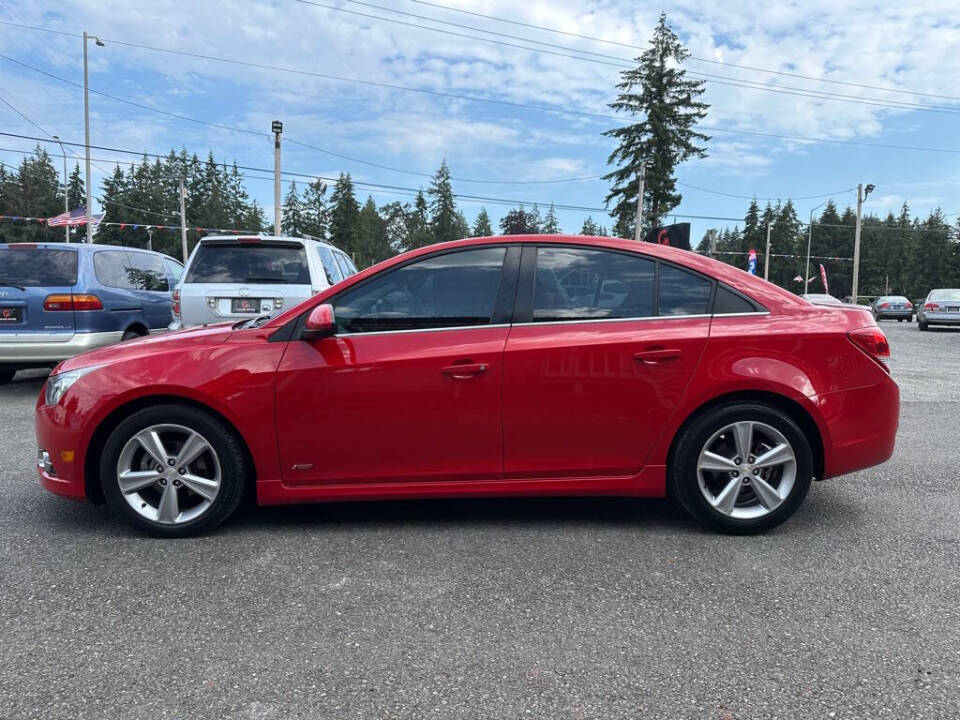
581	284
146	272
330	269
682	292
456	289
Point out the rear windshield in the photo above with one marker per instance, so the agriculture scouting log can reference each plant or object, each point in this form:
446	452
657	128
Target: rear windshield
31	267
260	263
935	295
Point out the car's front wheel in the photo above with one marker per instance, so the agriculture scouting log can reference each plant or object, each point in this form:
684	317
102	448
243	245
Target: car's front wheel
741	468
173	470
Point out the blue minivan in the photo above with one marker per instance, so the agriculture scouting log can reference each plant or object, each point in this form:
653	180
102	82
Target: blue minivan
59	299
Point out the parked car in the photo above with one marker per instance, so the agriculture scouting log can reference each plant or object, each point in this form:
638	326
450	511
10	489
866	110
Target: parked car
484	367
893	307
941	307
238	277
821	299
58	299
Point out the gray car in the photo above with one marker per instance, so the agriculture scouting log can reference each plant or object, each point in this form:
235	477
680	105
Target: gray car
238	277
941	307
892	307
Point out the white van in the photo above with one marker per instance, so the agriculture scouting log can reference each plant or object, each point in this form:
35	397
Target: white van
236	277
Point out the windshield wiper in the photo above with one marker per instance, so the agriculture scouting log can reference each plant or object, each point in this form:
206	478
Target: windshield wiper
10	284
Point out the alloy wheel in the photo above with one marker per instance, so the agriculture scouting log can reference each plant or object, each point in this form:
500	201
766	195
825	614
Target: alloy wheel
169	474
746	470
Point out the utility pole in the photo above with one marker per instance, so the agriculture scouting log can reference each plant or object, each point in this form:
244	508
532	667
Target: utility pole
86	128
149	238
277	128
766	256
66	199
183	220
640	188
861	196
713	241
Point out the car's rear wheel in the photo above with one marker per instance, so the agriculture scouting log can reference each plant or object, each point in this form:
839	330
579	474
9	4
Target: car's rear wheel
742	468
130	335
6	375
173	471
921	325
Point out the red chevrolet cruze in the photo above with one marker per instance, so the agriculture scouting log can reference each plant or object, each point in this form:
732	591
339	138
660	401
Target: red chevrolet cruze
521	365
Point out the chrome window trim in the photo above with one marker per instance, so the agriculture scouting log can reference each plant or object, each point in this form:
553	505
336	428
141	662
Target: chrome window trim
548	323
420	330
743	314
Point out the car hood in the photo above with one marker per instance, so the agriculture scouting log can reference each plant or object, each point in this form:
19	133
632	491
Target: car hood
207	335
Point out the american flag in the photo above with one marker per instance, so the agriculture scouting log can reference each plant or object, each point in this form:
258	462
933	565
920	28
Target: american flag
73	219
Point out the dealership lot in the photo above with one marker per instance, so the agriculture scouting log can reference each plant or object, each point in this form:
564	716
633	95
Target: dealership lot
596	608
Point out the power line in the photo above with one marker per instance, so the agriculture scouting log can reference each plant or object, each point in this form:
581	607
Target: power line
755	197
692	57
495	101
622	62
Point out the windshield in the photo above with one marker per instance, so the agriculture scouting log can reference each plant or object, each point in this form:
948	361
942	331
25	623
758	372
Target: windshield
34	267
260	263
940	295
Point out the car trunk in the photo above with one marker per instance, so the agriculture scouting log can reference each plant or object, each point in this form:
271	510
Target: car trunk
29	276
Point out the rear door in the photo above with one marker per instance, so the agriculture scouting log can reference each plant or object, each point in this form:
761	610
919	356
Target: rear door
597	359
237	278
29	275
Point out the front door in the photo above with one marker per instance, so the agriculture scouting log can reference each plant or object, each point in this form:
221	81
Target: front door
408	390
595	371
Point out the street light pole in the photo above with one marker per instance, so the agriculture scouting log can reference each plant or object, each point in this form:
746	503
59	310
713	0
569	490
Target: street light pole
862	193
640	189
86	127
277	128
66	199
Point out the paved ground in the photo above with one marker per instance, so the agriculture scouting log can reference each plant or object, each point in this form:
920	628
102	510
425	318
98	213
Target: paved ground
500	609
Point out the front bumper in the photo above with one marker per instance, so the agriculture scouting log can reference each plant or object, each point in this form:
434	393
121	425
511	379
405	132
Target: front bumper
16	351
60	470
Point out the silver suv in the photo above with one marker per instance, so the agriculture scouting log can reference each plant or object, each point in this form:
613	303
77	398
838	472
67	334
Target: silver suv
232	277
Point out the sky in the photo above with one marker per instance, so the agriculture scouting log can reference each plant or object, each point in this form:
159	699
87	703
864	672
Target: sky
347	105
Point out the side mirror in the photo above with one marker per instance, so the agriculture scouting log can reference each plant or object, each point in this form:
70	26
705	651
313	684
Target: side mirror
320	323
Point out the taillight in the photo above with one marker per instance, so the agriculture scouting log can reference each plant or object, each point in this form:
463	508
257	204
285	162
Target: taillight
176	302
909	304
873	342
53	303
248	240
884	305
931	306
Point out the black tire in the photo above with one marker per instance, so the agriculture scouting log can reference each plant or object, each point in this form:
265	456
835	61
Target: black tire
130	335
234	467
910	319
921	325
899	319
683	473
6	375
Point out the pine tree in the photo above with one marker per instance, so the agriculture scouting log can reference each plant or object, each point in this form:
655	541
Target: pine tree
443	210
373	245
293	214
517	222
550	224
481	226
658	91
590	227
76	189
315	210
534	220
344	216
419	232
395	216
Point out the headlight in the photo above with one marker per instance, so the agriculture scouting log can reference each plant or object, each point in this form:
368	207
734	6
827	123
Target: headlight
57	385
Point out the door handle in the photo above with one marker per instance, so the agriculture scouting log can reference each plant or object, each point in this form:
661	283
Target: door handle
653	357
464	370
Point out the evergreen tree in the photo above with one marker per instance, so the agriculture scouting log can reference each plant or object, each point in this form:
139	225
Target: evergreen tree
590	227
658	92
294	217
534	220
395	218
419	232
76	189
315	213
344	216
481	226
517	222
550	224
443	210
373	245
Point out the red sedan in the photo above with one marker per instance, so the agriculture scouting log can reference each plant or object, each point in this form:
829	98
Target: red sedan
505	366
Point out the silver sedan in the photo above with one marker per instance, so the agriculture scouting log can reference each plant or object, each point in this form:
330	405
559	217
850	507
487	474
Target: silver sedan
942	307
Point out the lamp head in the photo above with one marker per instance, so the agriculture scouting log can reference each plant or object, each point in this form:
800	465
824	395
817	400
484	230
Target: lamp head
869	189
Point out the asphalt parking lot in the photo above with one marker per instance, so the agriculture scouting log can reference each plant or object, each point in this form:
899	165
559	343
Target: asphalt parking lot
499	609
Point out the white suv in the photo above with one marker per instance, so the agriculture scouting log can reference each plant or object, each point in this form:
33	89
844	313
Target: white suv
233	277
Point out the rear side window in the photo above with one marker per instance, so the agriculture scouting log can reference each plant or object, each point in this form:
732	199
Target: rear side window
111	269
254	263
581	284
728	302
346	266
146	272
683	293
330	268
33	267
456	289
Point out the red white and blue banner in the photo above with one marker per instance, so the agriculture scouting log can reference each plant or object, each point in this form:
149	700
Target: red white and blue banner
823	278
73	219
752	262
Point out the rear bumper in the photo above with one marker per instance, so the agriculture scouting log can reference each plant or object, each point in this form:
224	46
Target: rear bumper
894	314
933	318
861	426
26	352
